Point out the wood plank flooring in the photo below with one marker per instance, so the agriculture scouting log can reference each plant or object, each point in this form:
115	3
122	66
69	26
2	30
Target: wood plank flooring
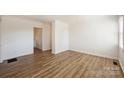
68	64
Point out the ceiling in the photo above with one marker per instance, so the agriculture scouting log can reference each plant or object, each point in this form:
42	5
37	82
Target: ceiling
50	18
66	18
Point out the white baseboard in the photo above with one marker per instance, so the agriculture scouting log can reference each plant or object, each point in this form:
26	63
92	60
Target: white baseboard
95	54
45	49
1	61
122	66
57	52
20	55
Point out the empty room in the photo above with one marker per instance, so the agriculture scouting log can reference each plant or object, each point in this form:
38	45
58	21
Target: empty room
61	46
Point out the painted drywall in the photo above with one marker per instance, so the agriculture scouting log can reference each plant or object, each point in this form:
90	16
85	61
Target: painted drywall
121	58
121	47
0	40
60	37
97	35
46	36
17	36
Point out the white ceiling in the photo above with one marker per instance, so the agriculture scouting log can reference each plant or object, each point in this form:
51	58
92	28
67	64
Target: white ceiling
66	18
50	18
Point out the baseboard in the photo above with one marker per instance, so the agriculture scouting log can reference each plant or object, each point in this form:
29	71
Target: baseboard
94	54
1	61
59	52
121	65
17	56
46	49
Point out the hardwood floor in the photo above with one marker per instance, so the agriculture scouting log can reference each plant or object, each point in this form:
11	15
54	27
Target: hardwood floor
68	64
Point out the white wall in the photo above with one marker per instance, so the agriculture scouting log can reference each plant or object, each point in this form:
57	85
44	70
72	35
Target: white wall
121	49
60	37
46	36
0	40
121	58
17	36
97	35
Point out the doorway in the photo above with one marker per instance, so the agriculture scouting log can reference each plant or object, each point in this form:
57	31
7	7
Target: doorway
37	38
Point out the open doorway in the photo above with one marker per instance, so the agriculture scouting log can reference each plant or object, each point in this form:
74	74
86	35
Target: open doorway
37	39
42	38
